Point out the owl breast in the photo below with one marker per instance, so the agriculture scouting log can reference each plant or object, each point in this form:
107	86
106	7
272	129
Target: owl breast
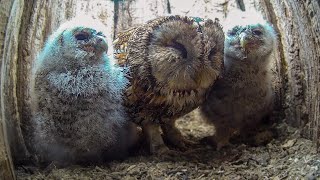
173	61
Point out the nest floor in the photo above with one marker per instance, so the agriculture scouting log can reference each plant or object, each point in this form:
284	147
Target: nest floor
287	156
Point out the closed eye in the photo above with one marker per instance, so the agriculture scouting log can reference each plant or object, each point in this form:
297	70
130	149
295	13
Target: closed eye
232	33
212	53
100	34
257	32
179	47
82	36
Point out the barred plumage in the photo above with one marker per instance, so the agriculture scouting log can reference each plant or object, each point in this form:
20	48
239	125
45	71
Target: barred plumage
173	61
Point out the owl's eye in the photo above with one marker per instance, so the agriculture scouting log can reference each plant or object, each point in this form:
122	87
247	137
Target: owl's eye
100	34
232	33
181	48
257	32
212	53
82	36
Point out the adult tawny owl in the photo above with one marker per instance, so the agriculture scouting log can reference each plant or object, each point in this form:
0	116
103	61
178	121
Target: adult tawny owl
77	97
173	61
239	100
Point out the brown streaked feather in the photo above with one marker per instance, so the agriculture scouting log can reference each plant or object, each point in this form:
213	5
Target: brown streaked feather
144	97
121	44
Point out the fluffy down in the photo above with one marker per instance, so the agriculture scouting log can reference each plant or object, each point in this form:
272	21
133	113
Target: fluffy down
238	101
76	96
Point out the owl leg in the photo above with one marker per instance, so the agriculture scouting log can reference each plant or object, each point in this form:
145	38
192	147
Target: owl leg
172	134
221	137
154	138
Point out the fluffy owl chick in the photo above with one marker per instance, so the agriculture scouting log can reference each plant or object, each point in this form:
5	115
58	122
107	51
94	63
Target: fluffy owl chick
77	97
173	61
244	95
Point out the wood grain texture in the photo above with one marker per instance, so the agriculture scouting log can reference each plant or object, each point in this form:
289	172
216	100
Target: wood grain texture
9	95
6	165
8	105
298	24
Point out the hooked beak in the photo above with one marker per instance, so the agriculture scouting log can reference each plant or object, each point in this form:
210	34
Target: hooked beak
243	40
243	44
101	45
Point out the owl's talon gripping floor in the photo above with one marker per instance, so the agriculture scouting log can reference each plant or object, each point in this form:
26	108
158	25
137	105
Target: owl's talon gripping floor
152	133
164	151
174	137
171	134
215	143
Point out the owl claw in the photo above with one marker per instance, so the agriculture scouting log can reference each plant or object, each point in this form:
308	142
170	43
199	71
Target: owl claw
215	142
221	145
173	136
155	141
162	151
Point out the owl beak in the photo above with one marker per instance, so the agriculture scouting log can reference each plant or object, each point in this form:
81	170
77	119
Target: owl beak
101	45
243	40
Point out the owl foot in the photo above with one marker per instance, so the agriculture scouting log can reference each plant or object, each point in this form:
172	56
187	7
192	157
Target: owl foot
55	165
152	134
174	137
217	143
135	137
164	151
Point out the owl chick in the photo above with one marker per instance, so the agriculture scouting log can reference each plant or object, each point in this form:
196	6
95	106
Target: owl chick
238	101
77	98
173	61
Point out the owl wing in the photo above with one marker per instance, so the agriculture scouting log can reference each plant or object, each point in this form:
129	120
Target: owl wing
120	45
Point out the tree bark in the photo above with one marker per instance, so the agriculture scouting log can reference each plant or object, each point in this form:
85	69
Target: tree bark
298	24
6	23
6	167
25	26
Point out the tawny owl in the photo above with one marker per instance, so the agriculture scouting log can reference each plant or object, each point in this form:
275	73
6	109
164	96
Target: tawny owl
173	61
238	101
77	97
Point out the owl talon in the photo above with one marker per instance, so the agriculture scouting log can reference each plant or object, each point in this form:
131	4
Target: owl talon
163	151
54	165
154	138
216	143
173	136
221	145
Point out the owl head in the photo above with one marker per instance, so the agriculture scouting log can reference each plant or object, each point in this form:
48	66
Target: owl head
248	36
82	41
78	42
183	54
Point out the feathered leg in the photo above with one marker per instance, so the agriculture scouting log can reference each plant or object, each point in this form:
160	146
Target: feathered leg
154	138
172	134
